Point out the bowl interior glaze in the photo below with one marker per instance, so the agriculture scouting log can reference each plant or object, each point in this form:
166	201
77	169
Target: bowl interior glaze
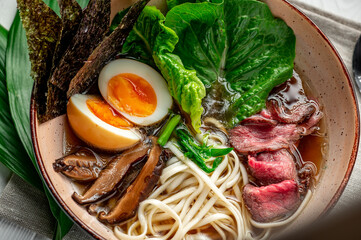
318	64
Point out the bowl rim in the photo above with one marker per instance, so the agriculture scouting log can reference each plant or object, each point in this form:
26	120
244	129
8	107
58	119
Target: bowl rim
351	84
329	206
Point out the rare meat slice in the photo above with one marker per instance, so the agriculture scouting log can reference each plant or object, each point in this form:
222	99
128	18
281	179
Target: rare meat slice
288	102
255	135
273	201
262	118
272	167
254	138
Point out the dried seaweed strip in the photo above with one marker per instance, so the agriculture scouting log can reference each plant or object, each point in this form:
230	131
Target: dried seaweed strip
56	102
106	50
92	29
71	15
42	28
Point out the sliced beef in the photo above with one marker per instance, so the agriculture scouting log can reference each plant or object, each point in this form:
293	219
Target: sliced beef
297	114
254	138
258	134
273	201
310	125
288	102
272	167
262	118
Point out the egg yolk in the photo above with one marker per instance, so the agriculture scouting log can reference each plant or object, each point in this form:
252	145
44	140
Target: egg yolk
105	112
131	94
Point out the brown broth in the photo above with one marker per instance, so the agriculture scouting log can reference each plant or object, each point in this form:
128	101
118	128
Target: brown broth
310	148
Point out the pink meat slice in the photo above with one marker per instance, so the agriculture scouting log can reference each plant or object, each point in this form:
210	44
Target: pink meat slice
272	167
271	202
254	138
255	135
288	102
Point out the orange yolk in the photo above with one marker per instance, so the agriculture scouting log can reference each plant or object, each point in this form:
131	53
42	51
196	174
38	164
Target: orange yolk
131	94
105	112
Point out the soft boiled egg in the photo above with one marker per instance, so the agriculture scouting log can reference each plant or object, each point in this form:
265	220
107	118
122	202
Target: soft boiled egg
135	90
97	124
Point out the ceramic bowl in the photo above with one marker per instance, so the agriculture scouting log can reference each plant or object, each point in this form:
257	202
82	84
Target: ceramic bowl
320	67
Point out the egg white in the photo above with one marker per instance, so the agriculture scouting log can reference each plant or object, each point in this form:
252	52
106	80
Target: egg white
94	131
164	100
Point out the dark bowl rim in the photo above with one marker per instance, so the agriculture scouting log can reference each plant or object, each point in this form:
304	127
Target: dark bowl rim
330	205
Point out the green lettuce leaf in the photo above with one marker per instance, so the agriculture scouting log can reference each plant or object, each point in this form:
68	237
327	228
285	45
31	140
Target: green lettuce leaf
150	40
19	84
236	46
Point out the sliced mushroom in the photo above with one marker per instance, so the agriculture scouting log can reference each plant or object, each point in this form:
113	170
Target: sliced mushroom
83	165
130	176
139	190
110	177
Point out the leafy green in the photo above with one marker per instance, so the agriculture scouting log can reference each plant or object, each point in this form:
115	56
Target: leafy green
151	40
19	84
168	129
117	19
172	3
53	4
83	3
236	45
199	154
12	155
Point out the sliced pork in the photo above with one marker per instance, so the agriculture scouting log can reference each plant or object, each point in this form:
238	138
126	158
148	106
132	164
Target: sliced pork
271	202
272	167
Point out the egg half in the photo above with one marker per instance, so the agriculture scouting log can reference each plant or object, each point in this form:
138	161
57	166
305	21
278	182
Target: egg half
97	124
135	90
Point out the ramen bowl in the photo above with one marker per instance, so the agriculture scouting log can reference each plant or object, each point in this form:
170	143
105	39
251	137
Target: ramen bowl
320	67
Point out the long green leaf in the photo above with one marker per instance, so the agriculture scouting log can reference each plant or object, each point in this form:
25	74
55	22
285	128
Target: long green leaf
53	4
19	85
12	153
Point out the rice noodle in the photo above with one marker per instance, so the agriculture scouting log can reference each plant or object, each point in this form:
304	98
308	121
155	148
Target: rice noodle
190	203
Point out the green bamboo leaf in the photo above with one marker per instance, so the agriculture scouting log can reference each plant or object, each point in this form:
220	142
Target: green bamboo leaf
19	85
12	154
83	3
53	4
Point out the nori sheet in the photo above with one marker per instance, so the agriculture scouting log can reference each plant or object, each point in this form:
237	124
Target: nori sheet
92	30
106	51
71	16
42	28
